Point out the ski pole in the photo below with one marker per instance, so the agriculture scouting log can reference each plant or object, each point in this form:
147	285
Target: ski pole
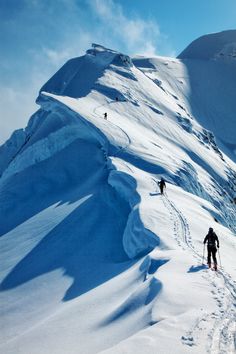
203	254
219	258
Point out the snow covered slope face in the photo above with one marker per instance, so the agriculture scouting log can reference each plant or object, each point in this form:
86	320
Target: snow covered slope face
211	69
94	259
216	46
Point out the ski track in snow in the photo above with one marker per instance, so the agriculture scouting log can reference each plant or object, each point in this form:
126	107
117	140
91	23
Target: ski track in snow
128	141
222	336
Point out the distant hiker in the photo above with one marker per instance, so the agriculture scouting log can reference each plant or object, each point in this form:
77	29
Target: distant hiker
105	115
211	239
162	185
117	99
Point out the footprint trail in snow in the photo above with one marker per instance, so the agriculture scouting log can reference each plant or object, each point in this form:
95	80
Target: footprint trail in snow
222	336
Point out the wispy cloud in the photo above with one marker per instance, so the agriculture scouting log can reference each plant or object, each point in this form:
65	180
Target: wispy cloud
137	35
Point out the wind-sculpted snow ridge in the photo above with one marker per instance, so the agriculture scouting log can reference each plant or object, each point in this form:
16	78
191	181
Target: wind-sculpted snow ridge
60	133
16	143
94	258
136	239
12	146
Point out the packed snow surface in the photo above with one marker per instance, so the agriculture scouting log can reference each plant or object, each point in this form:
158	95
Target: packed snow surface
93	258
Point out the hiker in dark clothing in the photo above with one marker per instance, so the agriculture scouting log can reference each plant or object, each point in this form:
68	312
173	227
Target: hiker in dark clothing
211	239
105	115
162	185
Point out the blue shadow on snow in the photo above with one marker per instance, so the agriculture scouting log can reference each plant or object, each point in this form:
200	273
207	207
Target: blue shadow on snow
194	269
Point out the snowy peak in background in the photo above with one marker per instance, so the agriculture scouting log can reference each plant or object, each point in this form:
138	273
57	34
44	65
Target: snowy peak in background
218	46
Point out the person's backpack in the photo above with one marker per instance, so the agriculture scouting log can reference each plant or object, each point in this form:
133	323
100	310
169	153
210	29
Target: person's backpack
212	240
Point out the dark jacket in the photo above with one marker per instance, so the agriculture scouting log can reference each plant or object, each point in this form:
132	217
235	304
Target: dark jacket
211	239
162	183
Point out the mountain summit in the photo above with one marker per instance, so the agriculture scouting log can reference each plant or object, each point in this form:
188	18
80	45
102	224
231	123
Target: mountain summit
77	77
217	46
95	258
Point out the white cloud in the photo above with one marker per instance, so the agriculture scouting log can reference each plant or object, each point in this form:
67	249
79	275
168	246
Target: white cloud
59	55
136	34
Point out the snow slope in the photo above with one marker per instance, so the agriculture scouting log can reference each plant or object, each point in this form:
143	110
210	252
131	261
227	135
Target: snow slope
211	66
93	258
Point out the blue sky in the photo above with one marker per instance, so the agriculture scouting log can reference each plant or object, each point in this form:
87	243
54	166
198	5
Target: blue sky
38	36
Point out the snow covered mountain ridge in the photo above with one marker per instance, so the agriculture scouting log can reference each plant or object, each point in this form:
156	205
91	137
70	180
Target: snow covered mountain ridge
93	255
